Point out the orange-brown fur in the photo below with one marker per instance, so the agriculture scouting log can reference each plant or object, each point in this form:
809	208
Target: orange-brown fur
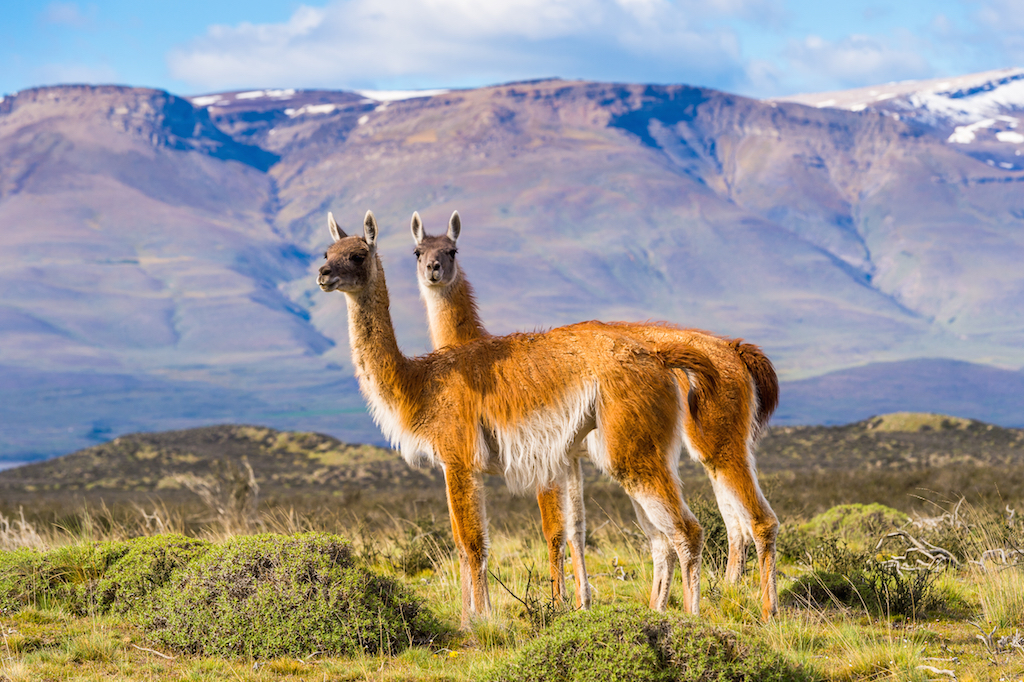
451	403
721	425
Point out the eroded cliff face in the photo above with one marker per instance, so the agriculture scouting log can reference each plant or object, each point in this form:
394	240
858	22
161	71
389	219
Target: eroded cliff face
170	241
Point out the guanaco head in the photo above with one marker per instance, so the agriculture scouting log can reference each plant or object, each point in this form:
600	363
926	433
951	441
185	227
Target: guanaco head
435	256
351	261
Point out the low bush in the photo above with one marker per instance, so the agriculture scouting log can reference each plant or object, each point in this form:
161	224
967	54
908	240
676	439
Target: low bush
858	525
274	595
92	576
144	565
841	575
64	576
633	644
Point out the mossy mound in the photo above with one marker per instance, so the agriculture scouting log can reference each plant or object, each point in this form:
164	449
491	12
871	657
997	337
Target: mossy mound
276	595
641	645
93	576
145	565
859	525
913	422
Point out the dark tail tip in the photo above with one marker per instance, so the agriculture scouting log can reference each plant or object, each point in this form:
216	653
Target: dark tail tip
766	381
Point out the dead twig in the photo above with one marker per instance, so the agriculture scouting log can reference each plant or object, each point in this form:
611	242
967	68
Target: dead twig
154	651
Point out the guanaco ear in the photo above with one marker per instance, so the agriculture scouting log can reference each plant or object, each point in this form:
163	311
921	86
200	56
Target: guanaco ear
336	231
454	226
417	228
370	230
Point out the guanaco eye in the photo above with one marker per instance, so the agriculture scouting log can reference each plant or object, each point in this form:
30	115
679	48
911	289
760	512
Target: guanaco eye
451	254
359	257
325	254
417	253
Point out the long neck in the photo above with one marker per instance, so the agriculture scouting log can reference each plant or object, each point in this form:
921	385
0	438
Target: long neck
452	313
383	371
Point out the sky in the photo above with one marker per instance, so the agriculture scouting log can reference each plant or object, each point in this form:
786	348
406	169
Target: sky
758	48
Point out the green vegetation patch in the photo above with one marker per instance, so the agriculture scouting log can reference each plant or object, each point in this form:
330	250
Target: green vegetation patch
274	595
859	525
145	565
641	645
93	576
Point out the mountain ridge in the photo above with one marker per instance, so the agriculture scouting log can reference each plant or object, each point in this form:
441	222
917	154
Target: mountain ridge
835	239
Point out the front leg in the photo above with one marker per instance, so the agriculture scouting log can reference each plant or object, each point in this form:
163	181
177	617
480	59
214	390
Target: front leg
552	522
469	528
576	530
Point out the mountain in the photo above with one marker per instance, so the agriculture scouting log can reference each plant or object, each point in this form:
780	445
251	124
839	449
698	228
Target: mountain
158	251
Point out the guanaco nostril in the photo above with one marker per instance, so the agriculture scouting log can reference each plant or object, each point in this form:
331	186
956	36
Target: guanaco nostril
325	270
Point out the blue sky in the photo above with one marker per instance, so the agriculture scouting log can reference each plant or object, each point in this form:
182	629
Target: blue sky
754	47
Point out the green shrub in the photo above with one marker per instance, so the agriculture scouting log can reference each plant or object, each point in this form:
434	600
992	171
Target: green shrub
858	579
92	576
642	645
145	564
274	595
859	525
824	588
878	587
20	578
63	576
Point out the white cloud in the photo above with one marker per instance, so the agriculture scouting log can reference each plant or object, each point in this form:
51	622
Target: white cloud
855	61
68	13
424	43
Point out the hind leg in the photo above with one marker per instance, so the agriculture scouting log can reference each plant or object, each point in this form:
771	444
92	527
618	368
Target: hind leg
744	506
666	511
664	557
737	525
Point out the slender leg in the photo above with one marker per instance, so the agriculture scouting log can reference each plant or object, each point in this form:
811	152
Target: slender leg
737	525
576	528
743	505
469	527
552	522
664	559
668	513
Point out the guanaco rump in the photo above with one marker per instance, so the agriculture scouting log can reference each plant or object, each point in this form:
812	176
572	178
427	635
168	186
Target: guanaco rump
521	406
722	439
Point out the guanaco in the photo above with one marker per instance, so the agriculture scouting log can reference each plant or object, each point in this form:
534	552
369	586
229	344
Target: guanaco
722	439
521	406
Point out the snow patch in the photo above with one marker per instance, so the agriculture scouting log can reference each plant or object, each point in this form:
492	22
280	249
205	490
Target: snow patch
966	134
1010	136
275	94
396	95
311	109
825	103
205	100
363	119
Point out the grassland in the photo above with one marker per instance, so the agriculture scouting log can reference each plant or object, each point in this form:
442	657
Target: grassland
949	484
